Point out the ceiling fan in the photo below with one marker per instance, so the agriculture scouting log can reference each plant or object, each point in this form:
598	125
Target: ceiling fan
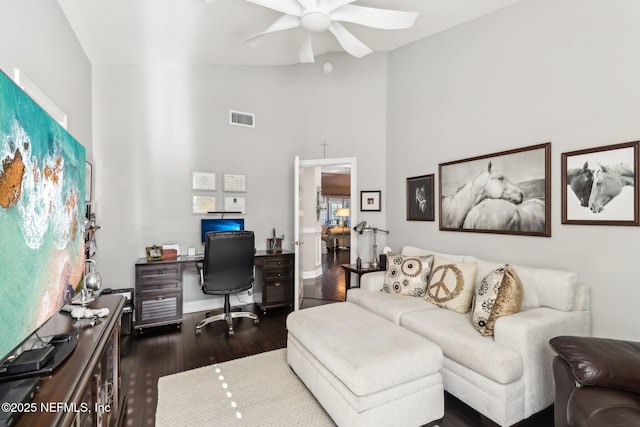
321	15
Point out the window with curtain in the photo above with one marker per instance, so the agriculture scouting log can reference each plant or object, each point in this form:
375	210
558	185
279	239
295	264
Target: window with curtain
330	215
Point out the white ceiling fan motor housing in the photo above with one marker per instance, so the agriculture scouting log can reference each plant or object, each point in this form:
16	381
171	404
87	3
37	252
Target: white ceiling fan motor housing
315	21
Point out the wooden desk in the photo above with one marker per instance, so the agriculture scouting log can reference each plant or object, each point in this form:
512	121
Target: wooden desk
353	268
158	292
90	377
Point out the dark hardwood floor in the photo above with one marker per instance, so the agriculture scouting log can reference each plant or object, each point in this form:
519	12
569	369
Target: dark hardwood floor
167	350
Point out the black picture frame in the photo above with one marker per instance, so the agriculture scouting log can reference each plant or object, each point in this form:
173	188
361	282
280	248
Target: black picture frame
508	192
420	198
370	201
612	172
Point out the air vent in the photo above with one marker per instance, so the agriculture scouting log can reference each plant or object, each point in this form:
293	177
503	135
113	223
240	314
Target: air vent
242	119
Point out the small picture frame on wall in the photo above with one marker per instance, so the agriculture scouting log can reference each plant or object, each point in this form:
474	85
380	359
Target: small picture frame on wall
205	181
600	185
370	201
420	196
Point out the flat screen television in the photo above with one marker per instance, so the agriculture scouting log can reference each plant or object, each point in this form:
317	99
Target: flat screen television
42	210
220	224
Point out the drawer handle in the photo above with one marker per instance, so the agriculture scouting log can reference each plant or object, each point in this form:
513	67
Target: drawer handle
279	274
159	271
159	298
278	284
279	262
159	286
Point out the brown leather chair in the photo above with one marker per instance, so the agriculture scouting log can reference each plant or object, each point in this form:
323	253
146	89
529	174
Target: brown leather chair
597	382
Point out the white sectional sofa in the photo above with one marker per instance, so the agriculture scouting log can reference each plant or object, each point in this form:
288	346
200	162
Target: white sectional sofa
506	377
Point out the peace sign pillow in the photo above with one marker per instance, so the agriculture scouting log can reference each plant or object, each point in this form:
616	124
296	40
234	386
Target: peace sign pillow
451	284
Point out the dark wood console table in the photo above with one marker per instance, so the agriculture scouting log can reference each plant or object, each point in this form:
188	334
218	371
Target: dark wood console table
85	389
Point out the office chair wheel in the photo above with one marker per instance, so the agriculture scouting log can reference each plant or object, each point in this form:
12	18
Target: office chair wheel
256	321
231	333
198	331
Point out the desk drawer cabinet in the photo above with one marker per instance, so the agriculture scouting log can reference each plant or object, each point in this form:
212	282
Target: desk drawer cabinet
274	280
158	294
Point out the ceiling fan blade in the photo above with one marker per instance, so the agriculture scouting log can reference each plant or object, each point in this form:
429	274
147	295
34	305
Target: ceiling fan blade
309	4
384	19
284	23
331	5
306	53
290	7
348	41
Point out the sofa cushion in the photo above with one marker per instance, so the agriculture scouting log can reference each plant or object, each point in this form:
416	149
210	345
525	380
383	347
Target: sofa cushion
499	294
407	275
543	287
413	250
601	361
389	306
451	284
461	343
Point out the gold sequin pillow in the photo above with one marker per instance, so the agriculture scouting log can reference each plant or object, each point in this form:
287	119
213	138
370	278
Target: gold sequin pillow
500	293
451	284
407	275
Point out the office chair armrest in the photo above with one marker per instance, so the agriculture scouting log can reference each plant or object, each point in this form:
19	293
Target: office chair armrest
200	268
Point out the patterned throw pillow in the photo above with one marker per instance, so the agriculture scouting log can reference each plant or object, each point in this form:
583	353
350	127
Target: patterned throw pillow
407	275
500	293
451	284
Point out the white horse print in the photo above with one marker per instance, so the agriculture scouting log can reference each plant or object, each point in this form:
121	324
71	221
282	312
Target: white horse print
608	182
499	214
421	198
488	184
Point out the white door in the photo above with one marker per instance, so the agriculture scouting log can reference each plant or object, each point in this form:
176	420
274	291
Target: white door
298	174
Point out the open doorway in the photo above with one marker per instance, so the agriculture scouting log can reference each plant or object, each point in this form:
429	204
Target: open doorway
325	204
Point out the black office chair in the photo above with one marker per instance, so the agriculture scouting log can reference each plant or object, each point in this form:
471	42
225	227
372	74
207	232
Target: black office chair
227	269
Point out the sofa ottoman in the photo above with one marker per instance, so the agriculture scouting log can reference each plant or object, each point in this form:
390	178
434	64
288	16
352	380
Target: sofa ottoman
364	370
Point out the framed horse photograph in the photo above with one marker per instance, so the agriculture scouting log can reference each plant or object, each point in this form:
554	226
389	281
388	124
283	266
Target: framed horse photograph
420	198
506	193
600	185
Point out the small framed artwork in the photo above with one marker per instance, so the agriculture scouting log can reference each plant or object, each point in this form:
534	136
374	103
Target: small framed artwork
203	205
154	253
370	201
420	196
600	185
88	169
205	181
505	193
235	183
234	204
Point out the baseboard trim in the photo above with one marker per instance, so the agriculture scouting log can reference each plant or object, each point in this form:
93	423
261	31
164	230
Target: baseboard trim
312	274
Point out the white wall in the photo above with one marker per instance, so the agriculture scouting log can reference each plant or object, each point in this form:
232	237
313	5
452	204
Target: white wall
36	38
154	125
564	71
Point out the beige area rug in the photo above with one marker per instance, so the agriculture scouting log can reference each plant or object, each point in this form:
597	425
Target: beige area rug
259	390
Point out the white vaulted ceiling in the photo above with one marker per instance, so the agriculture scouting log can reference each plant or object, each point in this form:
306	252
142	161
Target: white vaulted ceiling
116	32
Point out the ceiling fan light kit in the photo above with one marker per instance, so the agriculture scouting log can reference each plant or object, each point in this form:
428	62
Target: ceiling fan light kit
317	16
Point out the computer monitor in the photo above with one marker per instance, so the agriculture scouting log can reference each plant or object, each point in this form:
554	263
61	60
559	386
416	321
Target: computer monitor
220	224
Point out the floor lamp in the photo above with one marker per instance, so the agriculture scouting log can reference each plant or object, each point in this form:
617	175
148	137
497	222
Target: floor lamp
360	228
343	213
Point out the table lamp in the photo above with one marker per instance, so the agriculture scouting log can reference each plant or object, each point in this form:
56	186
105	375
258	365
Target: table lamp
360	228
